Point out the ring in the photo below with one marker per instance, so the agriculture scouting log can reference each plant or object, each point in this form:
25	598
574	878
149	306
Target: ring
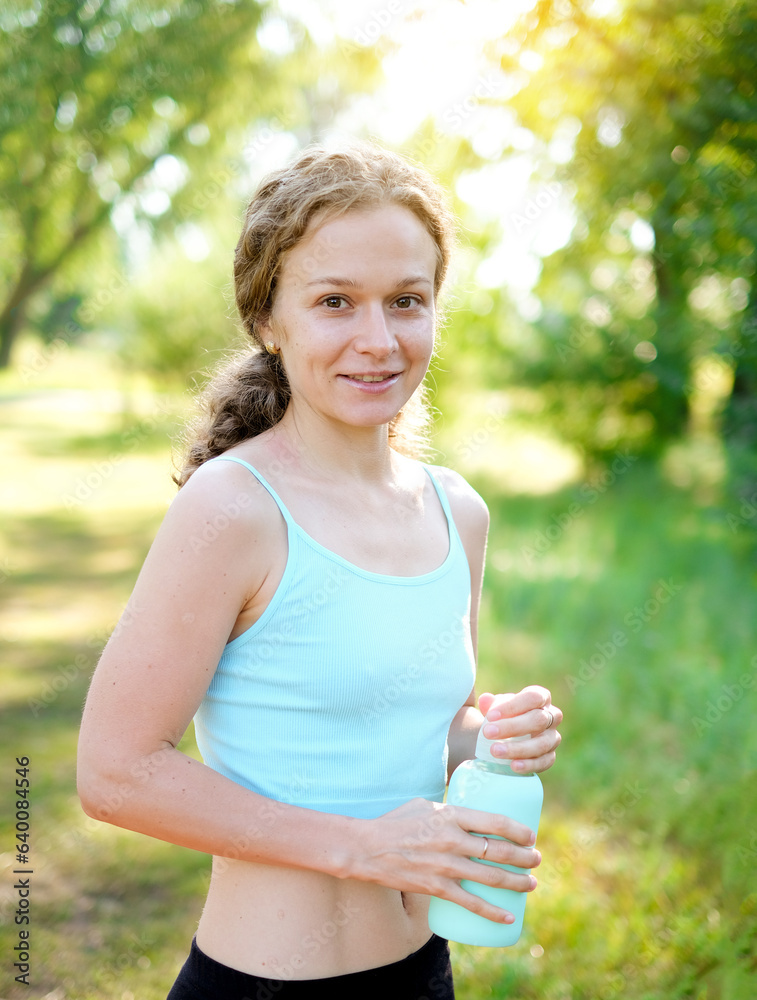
551	718
486	848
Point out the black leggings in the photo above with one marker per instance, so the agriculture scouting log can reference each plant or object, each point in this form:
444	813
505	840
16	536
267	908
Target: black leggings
424	975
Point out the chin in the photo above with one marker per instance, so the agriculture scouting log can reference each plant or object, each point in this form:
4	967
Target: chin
366	420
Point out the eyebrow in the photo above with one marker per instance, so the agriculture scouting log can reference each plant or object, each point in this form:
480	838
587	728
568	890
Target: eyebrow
413	279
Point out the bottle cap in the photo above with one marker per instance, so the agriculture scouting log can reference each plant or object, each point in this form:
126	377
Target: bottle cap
484	745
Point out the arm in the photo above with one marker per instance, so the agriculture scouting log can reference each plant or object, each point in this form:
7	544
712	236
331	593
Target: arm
509	714
155	670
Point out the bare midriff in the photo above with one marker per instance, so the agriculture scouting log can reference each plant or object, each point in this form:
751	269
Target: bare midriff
283	923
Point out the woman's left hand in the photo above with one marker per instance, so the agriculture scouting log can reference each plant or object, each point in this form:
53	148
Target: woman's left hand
530	711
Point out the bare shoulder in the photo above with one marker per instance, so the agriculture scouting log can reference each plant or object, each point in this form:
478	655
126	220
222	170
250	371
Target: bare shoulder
468	507
214	551
223	497
220	512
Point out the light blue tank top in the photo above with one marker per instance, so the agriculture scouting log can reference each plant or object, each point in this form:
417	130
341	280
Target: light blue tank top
340	697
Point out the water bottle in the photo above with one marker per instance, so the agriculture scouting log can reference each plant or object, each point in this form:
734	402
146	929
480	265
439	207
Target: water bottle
490	784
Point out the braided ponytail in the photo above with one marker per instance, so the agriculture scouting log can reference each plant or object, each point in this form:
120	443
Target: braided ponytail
245	397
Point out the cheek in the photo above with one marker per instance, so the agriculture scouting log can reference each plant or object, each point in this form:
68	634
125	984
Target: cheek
308	354
423	340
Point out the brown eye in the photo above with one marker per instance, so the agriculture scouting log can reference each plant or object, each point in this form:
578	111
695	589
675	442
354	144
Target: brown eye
333	301
407	302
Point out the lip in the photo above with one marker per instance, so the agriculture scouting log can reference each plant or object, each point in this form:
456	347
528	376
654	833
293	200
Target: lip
389	379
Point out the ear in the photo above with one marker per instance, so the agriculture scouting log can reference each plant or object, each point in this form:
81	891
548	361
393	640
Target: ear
262	327
267	327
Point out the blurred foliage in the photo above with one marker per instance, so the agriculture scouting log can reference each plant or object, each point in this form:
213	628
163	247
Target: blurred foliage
129	116
130	136
627	627
93	96
166	341
644	116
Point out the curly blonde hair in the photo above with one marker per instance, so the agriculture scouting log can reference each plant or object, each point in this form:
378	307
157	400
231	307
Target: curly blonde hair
250	392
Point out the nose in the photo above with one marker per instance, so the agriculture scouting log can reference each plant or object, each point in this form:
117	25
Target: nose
375	335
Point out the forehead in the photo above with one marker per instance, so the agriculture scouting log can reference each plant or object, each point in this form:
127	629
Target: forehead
360	243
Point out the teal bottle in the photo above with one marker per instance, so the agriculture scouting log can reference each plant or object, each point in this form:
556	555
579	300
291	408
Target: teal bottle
490	784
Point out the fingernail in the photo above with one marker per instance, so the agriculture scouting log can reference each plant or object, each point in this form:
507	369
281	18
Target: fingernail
493	715
518	765
491	732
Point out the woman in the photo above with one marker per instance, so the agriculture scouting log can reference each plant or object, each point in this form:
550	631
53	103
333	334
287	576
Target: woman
311	600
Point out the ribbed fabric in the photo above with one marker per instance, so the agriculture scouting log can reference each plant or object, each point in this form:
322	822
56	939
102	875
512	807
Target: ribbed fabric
340	697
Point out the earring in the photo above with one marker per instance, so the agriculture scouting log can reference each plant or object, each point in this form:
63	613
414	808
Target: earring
272	348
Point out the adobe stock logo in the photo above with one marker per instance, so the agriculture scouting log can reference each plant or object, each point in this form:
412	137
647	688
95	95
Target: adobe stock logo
595	662
377	23
536	206
458	112
588	494
722	703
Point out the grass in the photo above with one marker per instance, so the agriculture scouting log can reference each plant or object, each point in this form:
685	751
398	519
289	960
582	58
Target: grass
638	613
633	602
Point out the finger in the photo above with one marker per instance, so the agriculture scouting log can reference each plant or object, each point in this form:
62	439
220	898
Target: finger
457	894
546	742
528	724
534	765
531	697
496	877
503	852
510	705
485	702
493	825
486	875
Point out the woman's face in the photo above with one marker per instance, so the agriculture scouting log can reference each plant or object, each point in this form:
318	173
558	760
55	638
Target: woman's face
354	314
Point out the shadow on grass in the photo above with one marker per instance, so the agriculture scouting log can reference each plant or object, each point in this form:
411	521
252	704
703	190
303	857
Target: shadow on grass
112	911
145	434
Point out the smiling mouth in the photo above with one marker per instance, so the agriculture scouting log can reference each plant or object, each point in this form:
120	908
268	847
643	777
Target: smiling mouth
383	377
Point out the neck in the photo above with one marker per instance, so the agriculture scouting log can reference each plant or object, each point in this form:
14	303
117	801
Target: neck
338	452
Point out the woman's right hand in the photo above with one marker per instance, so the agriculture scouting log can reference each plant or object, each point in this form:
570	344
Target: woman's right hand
427	847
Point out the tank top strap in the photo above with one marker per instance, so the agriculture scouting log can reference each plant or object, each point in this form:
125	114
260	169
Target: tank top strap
453	532
454	535
263	482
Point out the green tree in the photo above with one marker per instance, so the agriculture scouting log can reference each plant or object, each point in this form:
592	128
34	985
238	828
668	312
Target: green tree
92	96
646	115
